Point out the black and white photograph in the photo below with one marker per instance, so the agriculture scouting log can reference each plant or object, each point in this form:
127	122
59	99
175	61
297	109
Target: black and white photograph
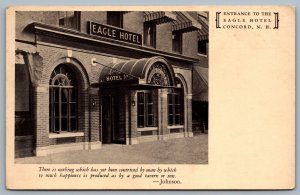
111	87
150	97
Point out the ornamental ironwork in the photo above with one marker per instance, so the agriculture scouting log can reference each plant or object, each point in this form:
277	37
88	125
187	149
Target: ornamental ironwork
158	75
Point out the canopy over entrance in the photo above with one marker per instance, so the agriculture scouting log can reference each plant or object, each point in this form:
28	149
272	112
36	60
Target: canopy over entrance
154	72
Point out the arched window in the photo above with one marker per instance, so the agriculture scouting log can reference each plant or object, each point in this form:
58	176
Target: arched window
176	104
62	100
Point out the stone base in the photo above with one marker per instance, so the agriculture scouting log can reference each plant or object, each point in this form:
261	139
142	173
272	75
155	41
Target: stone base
44	151
134	141
131	141
41	151
95	145
188	134
171	136
149	138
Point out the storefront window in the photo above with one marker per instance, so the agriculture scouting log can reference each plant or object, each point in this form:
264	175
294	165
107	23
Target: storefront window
70	19
177	42
62	101
145	109
115	18
150	34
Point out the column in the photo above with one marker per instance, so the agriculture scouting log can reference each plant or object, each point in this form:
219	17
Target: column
163	114
41	116
189	130
94	104
133	133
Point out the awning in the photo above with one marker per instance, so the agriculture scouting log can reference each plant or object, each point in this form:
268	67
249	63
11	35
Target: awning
185	22
159	16
153	72
27	55
200	84
202	19
203	32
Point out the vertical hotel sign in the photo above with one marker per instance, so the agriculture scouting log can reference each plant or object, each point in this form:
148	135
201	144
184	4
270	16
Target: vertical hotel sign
111	32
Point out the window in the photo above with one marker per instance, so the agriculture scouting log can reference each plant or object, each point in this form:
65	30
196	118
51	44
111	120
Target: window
145	109
175	106
115	19
70	19
177	42
150	34
62	100
202	47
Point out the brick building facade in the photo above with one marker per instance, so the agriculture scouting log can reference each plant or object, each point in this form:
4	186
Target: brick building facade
84	79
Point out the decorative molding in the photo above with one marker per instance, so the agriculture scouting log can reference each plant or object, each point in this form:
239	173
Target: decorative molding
189	96
63	33
62	135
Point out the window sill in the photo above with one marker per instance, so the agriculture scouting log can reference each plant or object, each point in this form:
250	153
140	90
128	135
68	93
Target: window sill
147	129
175	127
68	134
202	55
149	46
177	52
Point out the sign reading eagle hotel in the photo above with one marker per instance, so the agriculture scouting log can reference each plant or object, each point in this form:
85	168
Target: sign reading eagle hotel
115	33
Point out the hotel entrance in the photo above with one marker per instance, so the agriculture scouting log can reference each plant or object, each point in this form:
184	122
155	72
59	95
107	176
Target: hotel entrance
113	119
140	101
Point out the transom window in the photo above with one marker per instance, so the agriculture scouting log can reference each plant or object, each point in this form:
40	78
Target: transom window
145	109
62	100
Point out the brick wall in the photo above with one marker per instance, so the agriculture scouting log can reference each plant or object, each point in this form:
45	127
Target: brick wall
133	22
94	118
164	37
98	17
52	57
42	116
190	46
23	18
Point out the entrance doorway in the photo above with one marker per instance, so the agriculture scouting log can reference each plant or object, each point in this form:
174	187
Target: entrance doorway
113	119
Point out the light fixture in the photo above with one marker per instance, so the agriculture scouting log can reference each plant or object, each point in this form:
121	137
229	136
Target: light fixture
93	102
133	103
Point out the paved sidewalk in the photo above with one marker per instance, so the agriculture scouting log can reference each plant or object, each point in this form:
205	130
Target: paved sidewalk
193	150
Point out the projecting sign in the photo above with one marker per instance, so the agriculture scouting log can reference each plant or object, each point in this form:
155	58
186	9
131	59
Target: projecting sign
111	32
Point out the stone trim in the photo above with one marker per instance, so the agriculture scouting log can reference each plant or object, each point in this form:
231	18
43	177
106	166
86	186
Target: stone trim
44	151
69	134
147	129
176	127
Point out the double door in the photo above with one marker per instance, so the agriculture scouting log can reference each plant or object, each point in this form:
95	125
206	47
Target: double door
113	119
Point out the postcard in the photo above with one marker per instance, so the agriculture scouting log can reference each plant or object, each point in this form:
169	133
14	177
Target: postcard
148	97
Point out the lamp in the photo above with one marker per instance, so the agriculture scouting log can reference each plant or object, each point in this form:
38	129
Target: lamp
93	102
133	103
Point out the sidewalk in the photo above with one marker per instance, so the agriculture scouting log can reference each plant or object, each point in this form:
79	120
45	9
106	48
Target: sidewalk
193	150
